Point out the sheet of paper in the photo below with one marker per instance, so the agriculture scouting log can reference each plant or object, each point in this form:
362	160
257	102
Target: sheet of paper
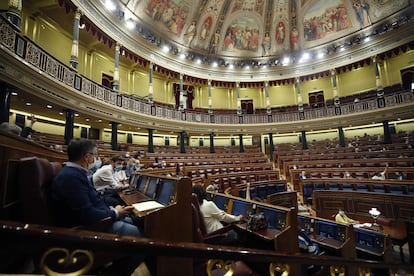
147	205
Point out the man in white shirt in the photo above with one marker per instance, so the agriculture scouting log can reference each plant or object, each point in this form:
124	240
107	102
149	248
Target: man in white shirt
107	183
106	176
381	175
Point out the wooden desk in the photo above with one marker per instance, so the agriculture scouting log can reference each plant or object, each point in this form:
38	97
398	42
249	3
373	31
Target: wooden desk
397	231
327	242
171	223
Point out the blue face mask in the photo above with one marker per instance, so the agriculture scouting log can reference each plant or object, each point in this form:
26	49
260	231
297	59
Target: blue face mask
118	168
98	163
95	165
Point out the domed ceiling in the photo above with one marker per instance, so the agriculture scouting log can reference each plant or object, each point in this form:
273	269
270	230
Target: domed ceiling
216	38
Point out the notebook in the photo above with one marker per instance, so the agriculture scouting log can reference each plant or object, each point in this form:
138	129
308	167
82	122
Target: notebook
147	205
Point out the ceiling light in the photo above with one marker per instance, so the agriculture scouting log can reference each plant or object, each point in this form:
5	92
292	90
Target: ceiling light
76	114
182	56
28	104
14	93
231	66
165	49
100	120
109	5
198	61
321	55
286	61
214	64
60	113
367	39
87	119
49	106
130	24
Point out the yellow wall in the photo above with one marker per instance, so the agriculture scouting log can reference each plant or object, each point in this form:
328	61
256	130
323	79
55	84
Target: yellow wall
356	81
282	95
316	85
395	64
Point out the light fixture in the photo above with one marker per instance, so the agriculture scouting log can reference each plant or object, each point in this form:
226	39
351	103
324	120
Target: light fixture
130	24
28	104
110	5
49	106
375	213
14	93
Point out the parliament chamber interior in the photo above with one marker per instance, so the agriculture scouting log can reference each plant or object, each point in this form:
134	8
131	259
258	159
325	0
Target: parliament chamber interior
296	118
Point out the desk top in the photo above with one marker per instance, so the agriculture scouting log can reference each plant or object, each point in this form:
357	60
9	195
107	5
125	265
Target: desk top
132	198
266	234
327	242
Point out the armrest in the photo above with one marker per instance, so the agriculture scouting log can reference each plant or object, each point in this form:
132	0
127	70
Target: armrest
99	226
211	237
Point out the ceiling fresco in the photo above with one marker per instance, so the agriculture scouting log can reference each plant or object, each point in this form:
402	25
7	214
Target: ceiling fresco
258	28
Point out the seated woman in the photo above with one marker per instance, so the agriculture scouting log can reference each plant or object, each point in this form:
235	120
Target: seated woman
213	216
343	218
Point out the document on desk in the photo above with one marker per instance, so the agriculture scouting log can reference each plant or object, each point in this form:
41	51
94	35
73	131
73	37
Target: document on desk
147	205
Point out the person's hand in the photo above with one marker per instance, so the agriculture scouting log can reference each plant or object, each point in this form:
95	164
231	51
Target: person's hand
241	218
123	211
33	119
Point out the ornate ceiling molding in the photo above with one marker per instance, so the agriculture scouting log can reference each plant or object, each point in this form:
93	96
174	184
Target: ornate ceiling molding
384	36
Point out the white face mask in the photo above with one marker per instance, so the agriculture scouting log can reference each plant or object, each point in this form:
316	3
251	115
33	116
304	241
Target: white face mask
95	165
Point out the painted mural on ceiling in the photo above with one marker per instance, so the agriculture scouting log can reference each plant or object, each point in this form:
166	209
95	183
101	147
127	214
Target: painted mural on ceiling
257	28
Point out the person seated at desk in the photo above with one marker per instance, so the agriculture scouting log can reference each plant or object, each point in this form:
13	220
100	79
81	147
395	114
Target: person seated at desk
380	175
343	218
399	175
213	216
302	175
107	183
15	129
75	201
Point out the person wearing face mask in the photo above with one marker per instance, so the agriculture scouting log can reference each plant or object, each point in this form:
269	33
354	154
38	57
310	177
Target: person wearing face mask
107	183
343	218
75	201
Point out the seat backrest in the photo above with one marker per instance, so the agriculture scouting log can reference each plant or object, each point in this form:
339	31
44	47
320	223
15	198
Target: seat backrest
34	178
199	221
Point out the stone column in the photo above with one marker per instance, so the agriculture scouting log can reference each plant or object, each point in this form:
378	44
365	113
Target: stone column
304	142
114	135
387	133
5	98
212	150
241	143
378	83
150	89
115	84
210	100
341	137
74	53
70	119
150	140
182	141
337	103
300	104
239	110
271	146
181	106
13	14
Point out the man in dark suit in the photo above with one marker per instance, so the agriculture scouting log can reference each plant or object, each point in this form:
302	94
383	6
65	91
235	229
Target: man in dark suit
76	201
